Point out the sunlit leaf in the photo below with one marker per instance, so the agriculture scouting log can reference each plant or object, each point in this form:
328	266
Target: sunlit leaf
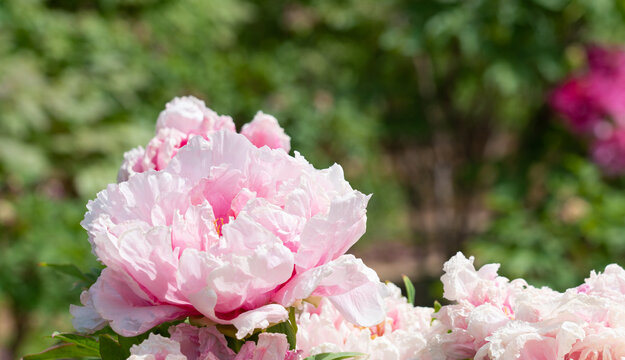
63	351
410	291
87	342
335	356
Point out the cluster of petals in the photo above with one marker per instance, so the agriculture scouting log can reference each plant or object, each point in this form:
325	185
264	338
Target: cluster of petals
185	117
497	319
593	104
231	232
400	336
187	342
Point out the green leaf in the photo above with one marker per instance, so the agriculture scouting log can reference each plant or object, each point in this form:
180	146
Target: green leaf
437	306
110	349
335	356
234	343
82	341
66	269
292	319
127	342
62	351
86	279
410	291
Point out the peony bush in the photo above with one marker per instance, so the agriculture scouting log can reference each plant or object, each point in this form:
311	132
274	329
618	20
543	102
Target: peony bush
220	245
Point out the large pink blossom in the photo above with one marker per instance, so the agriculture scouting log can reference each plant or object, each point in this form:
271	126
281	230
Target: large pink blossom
231	232
399	337
186	117
207	343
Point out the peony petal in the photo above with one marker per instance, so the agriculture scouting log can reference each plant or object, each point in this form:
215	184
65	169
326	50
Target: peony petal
157	347
193	272
260	318
132	164
182	113
264	130
194	161
85	318
271	347
349	284
148	258
363	305
128	311
201	343
324	238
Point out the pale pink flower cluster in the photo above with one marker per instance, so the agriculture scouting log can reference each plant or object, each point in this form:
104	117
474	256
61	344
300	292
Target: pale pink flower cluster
399	337
185	117
494	318
225	230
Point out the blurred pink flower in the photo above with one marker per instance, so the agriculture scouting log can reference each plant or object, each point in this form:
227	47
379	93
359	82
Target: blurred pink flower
188	116
593	104
597	95
229	231
573	100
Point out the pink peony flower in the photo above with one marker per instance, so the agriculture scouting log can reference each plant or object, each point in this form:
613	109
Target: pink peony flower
400	336
231	232
207	343
485	302
188	116
497	319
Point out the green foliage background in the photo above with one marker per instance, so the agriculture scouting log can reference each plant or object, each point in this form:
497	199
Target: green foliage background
435	106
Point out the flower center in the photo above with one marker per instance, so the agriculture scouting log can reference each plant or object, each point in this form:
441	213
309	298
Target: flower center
219	223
